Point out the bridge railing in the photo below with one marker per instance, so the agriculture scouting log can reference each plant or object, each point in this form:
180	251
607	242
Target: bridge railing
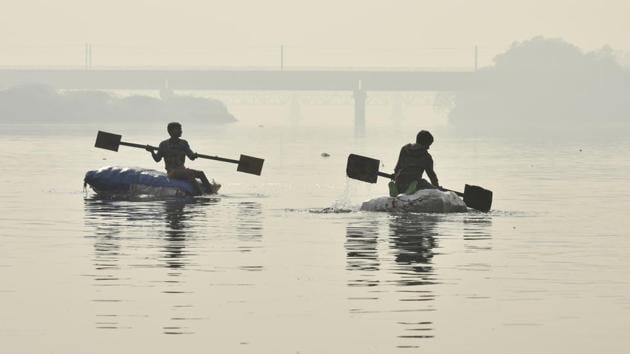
237	68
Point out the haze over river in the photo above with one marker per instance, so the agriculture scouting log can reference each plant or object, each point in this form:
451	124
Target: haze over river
286	263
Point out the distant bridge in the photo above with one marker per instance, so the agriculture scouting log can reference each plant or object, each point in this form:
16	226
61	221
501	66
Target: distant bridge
226	79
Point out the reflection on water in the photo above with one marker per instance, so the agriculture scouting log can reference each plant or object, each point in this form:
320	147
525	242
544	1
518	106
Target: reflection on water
124	233
477	226
400	274
177	216
413	238
249	225
150	250
396	267
249	229
477	231
116	220
361	251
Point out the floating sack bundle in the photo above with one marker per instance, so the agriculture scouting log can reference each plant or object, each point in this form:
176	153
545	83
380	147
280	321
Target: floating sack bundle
136	181
422	201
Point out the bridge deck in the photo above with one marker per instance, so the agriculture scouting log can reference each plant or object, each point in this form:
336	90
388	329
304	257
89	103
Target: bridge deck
276	80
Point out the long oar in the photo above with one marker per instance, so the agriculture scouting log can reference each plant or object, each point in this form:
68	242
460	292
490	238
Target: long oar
247	164
366	169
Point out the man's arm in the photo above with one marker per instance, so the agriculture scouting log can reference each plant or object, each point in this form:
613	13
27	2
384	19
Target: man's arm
157	156
191	155
400	158
431	173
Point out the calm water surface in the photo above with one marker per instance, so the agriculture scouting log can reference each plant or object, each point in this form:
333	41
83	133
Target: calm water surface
285	262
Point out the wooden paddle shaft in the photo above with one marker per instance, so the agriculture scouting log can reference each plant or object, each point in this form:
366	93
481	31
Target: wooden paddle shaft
391	176
456	192
383	174
138	145
218	158
198	155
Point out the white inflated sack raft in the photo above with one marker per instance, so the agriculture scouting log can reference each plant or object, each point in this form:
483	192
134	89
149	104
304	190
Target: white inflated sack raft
422	201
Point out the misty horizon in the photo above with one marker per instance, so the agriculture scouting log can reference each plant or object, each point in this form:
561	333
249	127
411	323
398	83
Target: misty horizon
350	33
542	83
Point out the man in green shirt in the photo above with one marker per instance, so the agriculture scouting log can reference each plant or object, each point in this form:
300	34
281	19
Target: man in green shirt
413	161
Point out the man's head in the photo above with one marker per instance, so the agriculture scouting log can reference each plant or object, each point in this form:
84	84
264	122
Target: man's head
174	129
424	138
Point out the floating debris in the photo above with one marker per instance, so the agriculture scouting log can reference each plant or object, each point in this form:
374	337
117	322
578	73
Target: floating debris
330	210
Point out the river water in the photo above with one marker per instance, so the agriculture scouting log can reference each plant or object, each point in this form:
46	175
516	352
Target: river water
285	262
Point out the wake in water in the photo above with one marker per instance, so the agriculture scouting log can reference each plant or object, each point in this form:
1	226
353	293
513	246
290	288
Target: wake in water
340	205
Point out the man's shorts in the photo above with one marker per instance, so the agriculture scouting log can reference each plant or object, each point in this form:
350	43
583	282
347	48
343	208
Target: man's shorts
182	173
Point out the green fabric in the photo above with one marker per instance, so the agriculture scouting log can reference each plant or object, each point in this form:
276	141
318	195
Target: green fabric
413	187
393	189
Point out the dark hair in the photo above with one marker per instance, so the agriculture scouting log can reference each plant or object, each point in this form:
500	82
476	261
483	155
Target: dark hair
172	126
424	138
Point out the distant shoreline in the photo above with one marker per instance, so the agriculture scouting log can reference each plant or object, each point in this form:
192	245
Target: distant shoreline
32	104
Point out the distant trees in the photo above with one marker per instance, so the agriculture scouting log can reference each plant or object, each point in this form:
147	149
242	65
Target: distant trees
43	104
546	84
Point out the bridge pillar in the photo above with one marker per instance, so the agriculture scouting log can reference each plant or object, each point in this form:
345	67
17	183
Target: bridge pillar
359	110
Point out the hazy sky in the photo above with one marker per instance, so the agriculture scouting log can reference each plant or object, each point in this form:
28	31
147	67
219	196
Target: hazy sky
323	32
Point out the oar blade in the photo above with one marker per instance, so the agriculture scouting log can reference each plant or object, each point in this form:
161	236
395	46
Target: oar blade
108	141
478	198
362	168
250	164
